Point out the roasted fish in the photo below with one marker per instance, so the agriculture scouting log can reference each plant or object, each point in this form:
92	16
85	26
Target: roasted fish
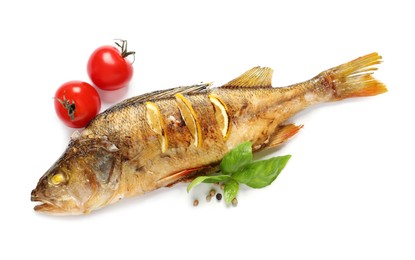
161	138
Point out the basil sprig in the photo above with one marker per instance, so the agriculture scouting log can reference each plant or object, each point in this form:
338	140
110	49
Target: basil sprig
237	167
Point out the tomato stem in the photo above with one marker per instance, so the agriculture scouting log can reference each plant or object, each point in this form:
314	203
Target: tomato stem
70	107
123	47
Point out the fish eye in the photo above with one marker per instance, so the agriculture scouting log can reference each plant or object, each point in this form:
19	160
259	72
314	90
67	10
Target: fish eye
57	179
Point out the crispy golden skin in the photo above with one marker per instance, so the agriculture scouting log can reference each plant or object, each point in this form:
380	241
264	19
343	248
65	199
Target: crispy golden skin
164	137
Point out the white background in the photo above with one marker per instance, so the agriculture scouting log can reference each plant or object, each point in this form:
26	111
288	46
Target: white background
347	193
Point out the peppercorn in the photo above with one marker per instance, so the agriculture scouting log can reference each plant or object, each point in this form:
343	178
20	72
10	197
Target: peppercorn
218	196
195	203
234	202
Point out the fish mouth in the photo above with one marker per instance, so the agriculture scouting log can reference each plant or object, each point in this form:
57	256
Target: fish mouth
45	205
54	208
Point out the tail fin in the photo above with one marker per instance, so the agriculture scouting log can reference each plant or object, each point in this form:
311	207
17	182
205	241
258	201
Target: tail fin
354	79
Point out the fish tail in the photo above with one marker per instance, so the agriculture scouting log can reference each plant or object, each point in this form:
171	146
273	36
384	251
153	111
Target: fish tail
354	78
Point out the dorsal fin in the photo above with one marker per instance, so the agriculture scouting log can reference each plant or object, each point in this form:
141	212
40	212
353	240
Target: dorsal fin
168	93
160	94
255	77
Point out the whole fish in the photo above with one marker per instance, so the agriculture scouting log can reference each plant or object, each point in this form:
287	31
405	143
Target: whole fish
161	138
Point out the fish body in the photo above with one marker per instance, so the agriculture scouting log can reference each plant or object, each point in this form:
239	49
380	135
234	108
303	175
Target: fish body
161	138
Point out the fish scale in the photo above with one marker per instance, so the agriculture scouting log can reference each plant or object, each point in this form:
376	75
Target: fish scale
164	137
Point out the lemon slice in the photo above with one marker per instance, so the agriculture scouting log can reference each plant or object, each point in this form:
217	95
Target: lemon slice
190	119
155	121
222	116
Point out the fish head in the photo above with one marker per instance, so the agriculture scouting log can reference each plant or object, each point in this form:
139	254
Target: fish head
84	178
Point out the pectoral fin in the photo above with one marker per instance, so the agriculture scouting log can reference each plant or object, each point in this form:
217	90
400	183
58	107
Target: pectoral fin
177	176
255	77
186	175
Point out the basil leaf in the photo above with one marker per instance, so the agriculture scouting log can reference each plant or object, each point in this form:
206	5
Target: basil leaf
236	158
262	173
230	190
207	179
244	175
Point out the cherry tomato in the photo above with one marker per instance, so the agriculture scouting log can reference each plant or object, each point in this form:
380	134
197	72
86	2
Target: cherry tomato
108	67
76	103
